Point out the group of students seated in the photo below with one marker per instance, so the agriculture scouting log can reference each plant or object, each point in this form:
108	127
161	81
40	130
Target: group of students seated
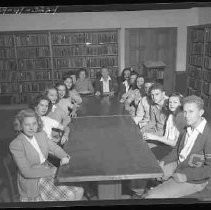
171	122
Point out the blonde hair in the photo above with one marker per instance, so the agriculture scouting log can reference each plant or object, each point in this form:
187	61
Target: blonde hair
21	115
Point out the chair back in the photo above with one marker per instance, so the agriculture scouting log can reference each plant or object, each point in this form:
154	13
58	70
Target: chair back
11	170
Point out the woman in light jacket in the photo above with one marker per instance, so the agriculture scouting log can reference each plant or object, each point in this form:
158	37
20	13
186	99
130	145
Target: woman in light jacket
30	150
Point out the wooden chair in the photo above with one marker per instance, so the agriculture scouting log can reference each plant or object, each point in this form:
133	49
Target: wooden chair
11	170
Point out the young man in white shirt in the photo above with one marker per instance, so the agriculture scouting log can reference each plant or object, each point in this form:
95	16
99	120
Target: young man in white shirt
187	169
106	85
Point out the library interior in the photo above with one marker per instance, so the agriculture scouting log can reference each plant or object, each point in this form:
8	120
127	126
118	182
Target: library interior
40	50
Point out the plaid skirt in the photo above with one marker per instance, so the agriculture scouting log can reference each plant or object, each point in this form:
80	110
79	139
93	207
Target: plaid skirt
50	192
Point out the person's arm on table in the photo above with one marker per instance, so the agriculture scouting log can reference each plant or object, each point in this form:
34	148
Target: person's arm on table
24	166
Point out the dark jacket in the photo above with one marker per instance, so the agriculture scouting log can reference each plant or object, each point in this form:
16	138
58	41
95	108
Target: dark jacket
197	165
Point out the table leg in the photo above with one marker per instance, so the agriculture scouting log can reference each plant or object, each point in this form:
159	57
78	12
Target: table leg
109	190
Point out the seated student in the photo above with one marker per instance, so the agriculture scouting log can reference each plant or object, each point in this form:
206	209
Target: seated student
83	84
125	82
40	106
142	113
186	170
106	85
175	122
56	112
158	111
64	101
30	150
132	102
72	93
132	87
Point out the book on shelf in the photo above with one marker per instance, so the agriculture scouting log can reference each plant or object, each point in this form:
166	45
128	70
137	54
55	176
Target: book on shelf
32	64
32	39
6	40
7	53
197	48
33	52
197	35
196	60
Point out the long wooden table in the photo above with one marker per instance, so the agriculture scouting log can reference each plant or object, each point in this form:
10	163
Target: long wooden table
106	146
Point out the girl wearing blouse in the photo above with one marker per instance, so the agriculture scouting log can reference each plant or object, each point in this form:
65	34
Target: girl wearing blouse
83	84
72	93
174	124
56	112
41	108
30	150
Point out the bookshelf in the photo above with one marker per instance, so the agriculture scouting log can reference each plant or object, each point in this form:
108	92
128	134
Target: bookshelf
87	49
154	70
31	60
199	63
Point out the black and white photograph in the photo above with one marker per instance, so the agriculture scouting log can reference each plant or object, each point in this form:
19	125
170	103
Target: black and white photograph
105	104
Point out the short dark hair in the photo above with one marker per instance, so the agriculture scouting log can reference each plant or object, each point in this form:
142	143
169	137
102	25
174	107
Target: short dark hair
157	86
123	71
194	99
80	70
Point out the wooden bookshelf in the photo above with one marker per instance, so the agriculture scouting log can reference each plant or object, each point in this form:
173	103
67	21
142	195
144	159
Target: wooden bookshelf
31	60
199	63
154	70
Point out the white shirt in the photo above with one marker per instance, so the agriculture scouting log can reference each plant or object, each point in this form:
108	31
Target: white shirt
126	85
105	84
190	139
48	124
34	143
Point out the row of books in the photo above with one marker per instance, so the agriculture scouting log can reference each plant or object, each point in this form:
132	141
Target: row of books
206	88
197	48
208	49
32	39
195	83
34	75
207	62
208	35
191	91
206	99
9	87
84	37
195	71
6	40
33	64
10	76
197	35
196	60
155	73
63	51
34	86
7	53
207	76
33	52
80	62
8	65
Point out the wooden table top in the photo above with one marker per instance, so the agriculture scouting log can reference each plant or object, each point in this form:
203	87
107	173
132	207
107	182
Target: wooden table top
105	144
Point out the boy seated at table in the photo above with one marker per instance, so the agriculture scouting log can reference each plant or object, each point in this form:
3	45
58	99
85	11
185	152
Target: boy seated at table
187	169
30	150
142	116
158	112
105	85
